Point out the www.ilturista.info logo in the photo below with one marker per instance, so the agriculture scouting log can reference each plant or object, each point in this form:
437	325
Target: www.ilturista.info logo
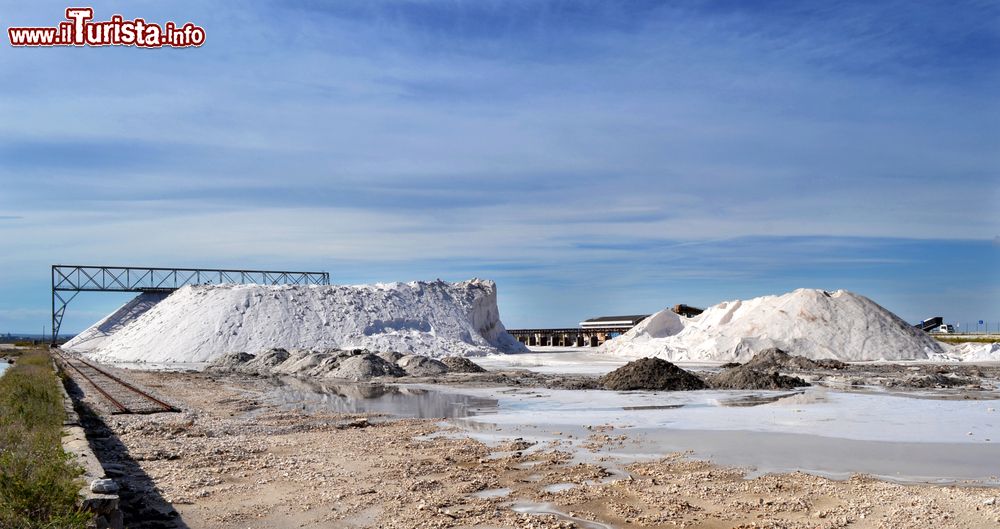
78	30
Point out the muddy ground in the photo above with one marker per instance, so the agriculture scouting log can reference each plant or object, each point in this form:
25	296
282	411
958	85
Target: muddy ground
232	460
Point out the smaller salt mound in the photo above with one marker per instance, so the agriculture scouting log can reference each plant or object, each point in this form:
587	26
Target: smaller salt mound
972	352
651	374
659	325
813	323
94	336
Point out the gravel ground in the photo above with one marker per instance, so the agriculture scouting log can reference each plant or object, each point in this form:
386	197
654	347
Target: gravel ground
232	461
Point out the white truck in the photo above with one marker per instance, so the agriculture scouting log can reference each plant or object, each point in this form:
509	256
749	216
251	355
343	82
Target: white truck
944	329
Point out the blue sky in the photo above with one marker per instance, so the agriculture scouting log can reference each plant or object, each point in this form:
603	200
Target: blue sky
591	157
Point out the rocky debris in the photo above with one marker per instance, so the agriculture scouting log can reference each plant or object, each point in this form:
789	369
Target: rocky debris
103	486
460	364
311	363
272	357
365	366
355	364
651	374
261	364
231	362
933	380
517	445
831	363
421	366
390	356
746	377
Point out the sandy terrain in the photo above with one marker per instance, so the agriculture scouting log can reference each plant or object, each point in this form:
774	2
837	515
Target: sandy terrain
233	461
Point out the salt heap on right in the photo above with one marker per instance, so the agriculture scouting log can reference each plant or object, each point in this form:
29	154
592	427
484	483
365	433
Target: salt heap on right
808	322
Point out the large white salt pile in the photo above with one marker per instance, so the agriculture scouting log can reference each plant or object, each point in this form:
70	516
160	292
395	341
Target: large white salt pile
811	323
95	335
200	323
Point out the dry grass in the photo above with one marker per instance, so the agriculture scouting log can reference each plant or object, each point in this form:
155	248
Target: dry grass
38	486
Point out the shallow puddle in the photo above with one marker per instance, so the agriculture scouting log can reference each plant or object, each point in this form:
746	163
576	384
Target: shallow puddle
548	508
819	431
491	493
558	487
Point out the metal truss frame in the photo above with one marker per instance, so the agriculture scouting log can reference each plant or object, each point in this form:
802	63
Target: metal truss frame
74	279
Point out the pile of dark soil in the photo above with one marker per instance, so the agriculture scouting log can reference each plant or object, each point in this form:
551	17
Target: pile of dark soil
775	359
459	364
746	377
831	363
651	374
936	380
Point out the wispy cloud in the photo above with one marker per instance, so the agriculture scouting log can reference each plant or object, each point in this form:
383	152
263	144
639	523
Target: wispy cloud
546	142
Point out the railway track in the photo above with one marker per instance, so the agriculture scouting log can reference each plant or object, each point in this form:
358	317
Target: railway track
120	396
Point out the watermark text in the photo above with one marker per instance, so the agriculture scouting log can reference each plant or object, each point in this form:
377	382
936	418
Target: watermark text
80	29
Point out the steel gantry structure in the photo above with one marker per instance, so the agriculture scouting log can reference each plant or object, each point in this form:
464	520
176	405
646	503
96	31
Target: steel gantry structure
76	278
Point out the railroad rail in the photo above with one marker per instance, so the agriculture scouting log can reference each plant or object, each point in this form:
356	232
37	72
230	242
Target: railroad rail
123	397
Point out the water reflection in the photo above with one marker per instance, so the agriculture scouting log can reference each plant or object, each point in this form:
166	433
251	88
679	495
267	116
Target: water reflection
394	400
747	401
548	508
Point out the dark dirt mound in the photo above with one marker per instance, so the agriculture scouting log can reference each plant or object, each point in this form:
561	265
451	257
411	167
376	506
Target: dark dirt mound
936	380
775	359
651	373
745	377
728	365
459	364
830	363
